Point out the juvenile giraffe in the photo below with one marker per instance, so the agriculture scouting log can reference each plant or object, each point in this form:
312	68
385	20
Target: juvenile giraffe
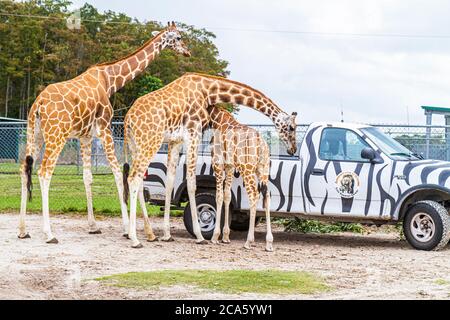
241	148
177	113
80	108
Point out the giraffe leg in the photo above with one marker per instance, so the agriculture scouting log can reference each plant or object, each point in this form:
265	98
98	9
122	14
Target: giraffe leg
52	151
172	161
227	201
134	188
147	225
106	138
191	163
143	156
252	191
85	144
32	150
269	236
219	201
23	234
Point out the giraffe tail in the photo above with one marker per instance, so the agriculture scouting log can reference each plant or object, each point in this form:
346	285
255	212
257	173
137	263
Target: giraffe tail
28	170
126	166
126	187
32	131
263	189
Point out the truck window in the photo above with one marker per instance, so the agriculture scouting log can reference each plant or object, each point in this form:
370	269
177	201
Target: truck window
341	144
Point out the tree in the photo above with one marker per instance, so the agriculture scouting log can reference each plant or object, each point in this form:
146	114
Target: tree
35	52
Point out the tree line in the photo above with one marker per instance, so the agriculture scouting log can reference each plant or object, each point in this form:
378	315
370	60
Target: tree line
38	47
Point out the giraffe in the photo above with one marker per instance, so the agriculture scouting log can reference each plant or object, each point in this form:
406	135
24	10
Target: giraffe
238	147
80	108
177	113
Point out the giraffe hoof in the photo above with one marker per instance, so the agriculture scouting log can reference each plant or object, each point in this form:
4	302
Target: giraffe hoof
24	236
247	246
202	242
53	241
269	249
98	231
152	239
137	246
169	239
226	241
215	241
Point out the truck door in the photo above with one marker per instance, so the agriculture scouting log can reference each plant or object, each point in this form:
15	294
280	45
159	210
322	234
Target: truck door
338	182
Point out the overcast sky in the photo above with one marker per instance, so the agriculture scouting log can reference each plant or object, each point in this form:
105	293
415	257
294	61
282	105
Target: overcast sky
373	79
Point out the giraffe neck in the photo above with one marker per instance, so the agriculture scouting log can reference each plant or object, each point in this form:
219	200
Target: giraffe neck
221	90
126	69
219	118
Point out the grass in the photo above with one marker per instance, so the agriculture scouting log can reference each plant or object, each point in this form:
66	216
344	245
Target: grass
231	281
67	194
442	282
307	226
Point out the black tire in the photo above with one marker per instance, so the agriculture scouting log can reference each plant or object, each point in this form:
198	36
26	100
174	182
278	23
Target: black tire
241	221
426	215
208	201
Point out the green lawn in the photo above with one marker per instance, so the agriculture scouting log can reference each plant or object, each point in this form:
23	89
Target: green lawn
232	281
67	193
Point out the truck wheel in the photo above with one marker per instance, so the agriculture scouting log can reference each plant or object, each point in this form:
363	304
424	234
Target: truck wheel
206	212
427	226
241	221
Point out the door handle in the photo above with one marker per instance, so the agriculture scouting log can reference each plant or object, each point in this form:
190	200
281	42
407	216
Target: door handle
317	172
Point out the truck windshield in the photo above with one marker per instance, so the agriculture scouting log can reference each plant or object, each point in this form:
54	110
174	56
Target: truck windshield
392	148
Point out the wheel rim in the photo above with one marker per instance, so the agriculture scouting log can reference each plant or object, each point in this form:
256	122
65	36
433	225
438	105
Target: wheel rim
422	227
206	217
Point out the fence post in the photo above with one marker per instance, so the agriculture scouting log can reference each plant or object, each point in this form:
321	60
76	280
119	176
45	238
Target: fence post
78	156
447	137
428	135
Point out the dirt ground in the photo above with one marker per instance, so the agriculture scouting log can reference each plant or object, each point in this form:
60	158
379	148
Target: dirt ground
373	266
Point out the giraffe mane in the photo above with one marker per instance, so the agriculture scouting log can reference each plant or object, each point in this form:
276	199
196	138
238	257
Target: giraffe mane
146	43
204	75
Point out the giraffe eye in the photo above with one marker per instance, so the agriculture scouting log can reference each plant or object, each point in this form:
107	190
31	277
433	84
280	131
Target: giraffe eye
291	128
178	38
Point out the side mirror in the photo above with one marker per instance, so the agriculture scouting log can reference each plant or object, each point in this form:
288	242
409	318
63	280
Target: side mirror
370	154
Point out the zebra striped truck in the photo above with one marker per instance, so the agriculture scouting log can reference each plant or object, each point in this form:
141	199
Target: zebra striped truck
342	172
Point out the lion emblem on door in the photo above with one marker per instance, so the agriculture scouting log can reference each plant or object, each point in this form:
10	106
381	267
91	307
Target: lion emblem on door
347	184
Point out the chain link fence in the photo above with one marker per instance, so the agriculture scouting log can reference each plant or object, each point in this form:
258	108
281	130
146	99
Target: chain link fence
67	188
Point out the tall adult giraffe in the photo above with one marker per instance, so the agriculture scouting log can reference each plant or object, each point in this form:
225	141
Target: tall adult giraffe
80	108
238	147
178	113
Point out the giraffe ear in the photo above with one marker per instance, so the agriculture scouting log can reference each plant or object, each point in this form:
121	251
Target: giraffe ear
155	33
294	114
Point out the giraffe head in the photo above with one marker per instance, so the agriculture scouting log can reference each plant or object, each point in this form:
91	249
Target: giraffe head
171	38
287	130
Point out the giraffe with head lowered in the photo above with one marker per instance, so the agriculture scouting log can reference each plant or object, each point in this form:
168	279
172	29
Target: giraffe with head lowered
178	113
237	147
80	108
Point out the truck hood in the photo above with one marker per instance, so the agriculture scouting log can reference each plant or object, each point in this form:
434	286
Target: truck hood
424	172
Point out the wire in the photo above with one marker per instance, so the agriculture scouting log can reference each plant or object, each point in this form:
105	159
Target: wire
312	33
63	18
379	35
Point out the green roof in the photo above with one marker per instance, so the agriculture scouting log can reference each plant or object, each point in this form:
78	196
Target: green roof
436	109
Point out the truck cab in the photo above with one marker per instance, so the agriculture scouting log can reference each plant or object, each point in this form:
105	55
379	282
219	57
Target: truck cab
341	172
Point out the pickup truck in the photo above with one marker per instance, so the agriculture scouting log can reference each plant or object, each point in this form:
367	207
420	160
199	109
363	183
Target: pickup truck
341	172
